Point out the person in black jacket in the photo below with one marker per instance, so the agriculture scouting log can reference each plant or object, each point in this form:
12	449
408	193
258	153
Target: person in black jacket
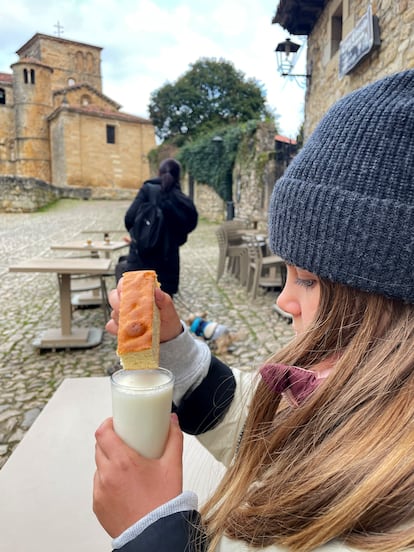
180	216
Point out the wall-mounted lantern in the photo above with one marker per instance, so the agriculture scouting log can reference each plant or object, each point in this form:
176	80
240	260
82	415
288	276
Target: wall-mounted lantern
286	56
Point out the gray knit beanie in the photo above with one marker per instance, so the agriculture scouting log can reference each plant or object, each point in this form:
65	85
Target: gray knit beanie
344	208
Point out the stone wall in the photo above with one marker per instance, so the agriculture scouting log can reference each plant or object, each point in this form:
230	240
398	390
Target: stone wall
209	204
7	157
23	195
81	155
70	60
395	53
254	175
32	104
113	193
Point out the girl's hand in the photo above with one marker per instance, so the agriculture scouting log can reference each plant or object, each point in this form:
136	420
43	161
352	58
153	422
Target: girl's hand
170	321
128	486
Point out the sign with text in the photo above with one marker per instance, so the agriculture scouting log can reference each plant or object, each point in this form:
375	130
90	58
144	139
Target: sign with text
358	43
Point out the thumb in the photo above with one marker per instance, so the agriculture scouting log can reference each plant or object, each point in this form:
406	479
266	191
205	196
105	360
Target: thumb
170	321
161	298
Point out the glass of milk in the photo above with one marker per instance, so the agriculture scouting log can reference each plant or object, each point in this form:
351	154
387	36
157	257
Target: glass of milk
141	408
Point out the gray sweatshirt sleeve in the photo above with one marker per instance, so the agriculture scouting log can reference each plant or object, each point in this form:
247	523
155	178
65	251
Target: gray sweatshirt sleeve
188	359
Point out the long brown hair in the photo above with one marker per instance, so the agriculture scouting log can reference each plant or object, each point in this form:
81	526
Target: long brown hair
340	466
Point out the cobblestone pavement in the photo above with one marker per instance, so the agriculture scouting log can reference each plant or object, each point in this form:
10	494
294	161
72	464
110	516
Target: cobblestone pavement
29	305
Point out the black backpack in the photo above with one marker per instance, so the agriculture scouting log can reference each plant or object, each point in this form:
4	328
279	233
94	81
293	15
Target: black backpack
149	230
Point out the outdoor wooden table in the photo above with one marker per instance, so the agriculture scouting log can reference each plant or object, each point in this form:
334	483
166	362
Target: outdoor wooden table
46	485
90	297
93	247
66	336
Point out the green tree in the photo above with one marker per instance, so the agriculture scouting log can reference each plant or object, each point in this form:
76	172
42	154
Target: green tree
211	93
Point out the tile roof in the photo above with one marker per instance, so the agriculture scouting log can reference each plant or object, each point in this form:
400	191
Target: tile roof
81	85
38	36
98	111
6	77
33	61
285	139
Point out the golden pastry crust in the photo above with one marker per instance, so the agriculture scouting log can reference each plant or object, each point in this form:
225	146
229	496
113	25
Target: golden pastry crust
139	324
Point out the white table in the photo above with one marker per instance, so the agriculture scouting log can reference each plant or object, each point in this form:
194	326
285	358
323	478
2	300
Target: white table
46	485
66	336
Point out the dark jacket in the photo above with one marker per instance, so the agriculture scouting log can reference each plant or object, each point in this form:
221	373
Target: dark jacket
180	215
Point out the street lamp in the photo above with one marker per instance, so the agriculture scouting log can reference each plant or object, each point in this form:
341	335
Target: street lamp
286	56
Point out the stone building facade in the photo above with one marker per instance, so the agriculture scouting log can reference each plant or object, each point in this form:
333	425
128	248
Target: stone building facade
56	125
350	43
254	174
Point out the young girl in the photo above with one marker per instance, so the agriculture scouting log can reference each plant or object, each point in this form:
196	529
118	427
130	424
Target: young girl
320	444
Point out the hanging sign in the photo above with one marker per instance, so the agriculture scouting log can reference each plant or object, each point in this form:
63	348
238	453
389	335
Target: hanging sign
358	43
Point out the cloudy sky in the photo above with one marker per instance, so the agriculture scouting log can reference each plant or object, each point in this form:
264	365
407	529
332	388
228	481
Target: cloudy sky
147	43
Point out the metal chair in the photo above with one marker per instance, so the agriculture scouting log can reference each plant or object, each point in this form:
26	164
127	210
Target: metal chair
234	255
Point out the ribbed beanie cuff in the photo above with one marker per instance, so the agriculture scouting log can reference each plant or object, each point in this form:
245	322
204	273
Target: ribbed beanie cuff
344	208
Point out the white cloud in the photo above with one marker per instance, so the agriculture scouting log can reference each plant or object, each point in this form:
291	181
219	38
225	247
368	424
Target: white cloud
149	42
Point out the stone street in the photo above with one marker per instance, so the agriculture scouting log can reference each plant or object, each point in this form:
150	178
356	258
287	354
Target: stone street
29	304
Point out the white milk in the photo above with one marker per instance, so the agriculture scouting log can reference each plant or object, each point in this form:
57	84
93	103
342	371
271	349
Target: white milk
141	408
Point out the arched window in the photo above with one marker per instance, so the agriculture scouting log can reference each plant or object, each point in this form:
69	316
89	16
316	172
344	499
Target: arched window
85	99
2	96
26	75
71	82
79	61
89	62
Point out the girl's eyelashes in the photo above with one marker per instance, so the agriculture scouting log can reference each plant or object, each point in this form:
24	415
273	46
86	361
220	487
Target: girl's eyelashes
305	282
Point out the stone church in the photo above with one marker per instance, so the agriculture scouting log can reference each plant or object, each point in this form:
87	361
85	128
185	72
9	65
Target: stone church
56	124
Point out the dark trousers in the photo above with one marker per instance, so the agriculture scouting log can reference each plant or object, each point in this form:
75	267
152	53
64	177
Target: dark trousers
120	267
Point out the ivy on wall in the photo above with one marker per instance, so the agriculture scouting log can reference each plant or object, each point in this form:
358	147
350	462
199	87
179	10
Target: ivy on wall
210	159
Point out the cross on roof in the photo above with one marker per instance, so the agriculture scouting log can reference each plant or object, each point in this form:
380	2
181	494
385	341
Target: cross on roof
59	29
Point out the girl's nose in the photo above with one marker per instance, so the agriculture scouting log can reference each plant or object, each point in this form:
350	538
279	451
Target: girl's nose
287	303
